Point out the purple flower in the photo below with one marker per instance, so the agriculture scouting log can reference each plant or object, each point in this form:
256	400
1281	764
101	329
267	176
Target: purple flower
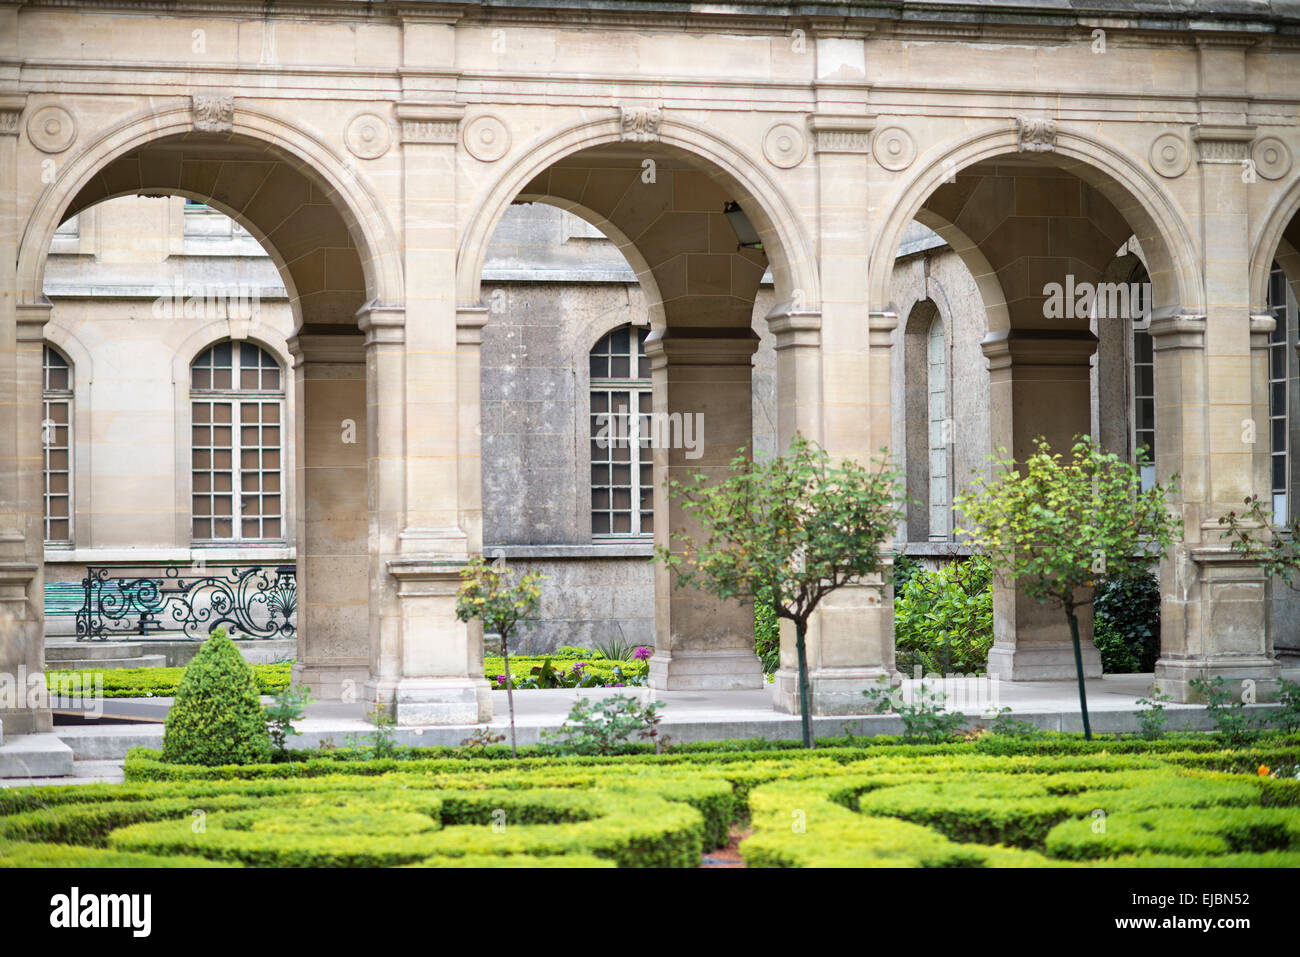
579	667
501	681
642	654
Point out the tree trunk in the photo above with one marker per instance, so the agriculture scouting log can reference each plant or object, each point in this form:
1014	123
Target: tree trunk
510	691
800	629
1078	670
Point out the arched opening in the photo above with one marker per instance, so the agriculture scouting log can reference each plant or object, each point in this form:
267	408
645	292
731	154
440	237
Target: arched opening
241	251
644	307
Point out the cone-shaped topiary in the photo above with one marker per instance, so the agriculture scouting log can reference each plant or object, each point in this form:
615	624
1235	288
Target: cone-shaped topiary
217	717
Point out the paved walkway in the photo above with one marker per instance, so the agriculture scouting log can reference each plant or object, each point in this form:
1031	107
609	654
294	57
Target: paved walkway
687	716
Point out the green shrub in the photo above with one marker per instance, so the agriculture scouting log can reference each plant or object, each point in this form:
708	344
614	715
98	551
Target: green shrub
943	620
217	717
150	682
1126	623
767	631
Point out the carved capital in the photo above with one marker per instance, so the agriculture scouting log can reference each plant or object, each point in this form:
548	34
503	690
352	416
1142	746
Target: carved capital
432	124
11	109
1223	144
841	133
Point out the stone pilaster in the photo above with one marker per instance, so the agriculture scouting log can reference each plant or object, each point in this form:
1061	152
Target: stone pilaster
330	434
1039	386
700	642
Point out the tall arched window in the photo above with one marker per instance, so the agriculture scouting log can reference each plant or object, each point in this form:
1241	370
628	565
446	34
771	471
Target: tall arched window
237	415
1279	396
622	480
939	428
56	438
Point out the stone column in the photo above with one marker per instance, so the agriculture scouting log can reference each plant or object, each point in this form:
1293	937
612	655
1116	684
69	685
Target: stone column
705	374
1215	609
24	707
439	677
1040	385
330	435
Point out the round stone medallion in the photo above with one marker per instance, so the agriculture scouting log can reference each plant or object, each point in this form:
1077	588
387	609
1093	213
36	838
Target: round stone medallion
1169	155
368	136
486	138
51	129
1272	157
784	146
893	148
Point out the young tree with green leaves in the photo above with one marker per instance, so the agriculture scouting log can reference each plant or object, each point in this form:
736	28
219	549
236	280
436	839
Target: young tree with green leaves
1054	526
491	594
798	526
1254	537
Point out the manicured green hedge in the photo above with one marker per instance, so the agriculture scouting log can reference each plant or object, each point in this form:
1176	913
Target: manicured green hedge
888	805
149	682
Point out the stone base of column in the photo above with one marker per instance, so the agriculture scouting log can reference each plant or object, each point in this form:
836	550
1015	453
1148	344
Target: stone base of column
1042	661
726	670
427	701
337	680
1174	676
830	690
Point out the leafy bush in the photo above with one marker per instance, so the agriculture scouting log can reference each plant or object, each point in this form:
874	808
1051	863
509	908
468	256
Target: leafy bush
1126	623
150	682
1227	710
289	706
605	727
217	717
767	631
923	717
943	620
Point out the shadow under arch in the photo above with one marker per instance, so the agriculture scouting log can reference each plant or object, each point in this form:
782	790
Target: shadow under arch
789	249
1162	231
304	151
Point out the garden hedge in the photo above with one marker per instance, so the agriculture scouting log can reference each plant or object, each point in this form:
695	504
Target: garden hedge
1184	802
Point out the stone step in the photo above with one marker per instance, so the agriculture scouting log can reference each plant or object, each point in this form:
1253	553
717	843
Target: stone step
88	650
103	664
35	756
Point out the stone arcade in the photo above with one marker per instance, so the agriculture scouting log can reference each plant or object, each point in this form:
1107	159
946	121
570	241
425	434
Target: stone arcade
372	149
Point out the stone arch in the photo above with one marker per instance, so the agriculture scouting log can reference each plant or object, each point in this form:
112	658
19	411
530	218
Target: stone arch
303	152
1277	238
790	249
1155	218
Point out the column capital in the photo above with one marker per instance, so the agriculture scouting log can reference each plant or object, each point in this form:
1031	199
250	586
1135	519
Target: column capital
382	325
11	110
318	343
881	326
1261	330
841	132
32	317
470	321
1216	144
707	346
1178	332
795	329
433	124
1005	348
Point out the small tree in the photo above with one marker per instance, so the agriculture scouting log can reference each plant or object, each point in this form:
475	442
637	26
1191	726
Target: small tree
795	525
490	594
1255	538
1054	527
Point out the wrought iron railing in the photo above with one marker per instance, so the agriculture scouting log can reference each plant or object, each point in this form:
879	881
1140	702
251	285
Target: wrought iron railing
253	601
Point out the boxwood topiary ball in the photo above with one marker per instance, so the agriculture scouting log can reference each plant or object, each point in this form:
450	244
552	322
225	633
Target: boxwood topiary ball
217	717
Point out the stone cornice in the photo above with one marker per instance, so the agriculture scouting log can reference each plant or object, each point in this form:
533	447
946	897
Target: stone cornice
1005	348
795	329
382	325
470	321
701	346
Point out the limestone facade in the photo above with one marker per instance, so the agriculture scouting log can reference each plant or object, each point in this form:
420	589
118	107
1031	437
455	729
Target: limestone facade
373	151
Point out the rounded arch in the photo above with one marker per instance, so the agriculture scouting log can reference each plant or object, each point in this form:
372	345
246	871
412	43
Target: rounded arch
1270	243
208	335
1172	257
790	250
357	203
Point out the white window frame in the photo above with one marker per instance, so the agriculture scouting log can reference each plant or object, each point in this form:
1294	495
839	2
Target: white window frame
640	451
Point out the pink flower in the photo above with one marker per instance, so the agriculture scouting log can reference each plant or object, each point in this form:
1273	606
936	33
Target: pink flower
643	653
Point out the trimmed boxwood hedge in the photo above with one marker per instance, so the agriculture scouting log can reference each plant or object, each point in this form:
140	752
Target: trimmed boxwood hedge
1175	804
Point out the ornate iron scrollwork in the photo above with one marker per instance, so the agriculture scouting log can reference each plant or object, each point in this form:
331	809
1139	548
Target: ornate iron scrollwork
255	601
